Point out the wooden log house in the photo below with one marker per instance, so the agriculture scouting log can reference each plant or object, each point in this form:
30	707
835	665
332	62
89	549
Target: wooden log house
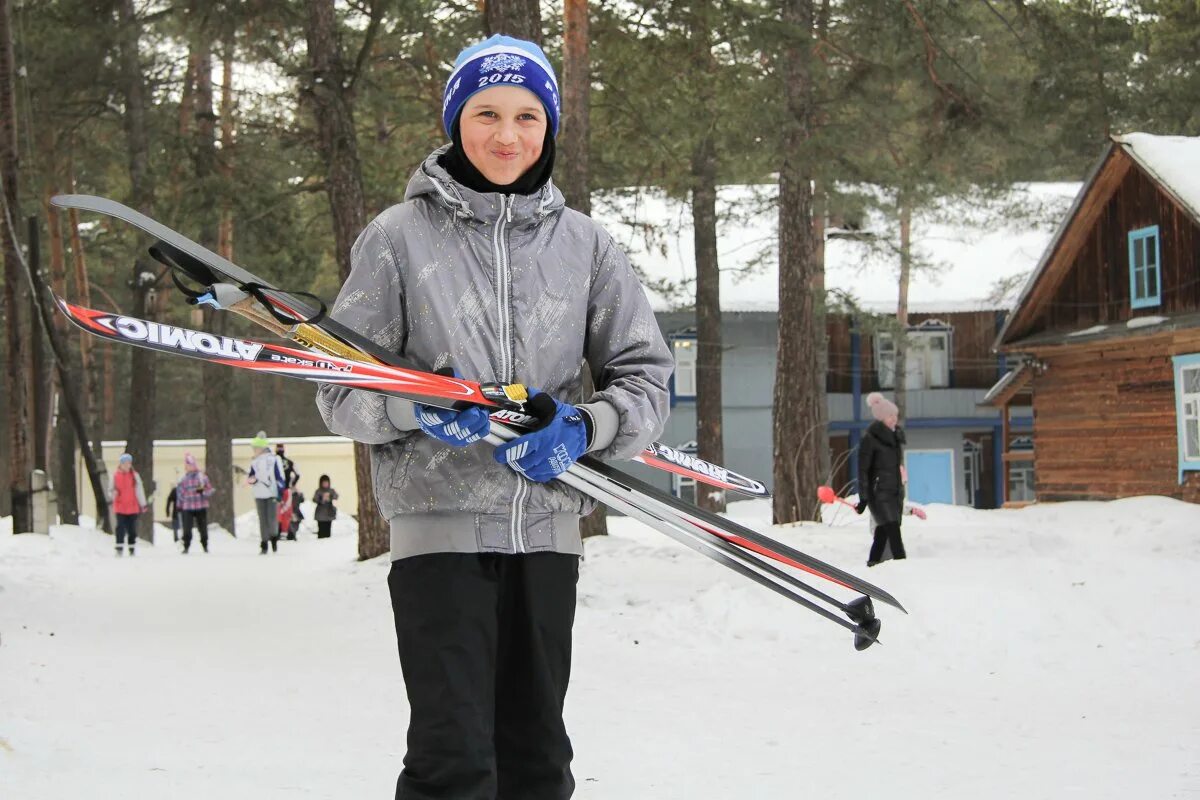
1107	332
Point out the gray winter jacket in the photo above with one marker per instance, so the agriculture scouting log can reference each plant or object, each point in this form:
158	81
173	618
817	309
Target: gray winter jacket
507	288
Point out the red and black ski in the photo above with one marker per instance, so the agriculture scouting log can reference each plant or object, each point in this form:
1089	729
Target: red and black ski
410	384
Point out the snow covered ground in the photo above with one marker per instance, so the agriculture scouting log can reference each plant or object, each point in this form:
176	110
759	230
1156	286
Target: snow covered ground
1051	652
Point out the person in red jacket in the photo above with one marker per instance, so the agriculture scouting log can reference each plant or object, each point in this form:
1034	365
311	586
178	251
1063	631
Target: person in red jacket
128	498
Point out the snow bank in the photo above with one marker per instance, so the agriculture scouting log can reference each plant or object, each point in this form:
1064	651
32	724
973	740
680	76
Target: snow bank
1048	653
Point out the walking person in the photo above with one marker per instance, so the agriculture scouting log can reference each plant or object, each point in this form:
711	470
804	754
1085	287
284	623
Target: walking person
325	512
881	479
483	269
283	514
266	480
297	515
173	512
128	497
291	476
193	491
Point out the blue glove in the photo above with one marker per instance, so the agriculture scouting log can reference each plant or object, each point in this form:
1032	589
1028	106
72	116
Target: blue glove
561	438
455	428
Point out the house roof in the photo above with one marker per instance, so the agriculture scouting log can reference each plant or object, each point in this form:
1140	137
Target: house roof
970	245
1174	164
1111	332
1008	387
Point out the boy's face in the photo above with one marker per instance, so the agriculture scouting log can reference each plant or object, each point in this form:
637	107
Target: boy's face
503	129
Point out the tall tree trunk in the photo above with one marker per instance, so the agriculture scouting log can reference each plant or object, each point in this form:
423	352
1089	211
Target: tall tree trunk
901	339
821	375
331	93
574	146
87	369
576	106
797	418
16	296
709	407
225	227
218	427
110	387
519	18
820	218
43	375
143	365
35	282
63	434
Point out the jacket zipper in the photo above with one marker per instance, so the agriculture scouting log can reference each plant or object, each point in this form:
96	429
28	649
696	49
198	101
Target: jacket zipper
504	312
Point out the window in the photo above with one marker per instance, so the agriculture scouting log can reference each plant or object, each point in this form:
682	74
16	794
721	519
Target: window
1145	287
928	363
685	365
1187	411
1021	483
684	488
1021	476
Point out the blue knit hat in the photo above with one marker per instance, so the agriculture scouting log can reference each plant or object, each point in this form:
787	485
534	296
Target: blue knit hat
125	459
501	61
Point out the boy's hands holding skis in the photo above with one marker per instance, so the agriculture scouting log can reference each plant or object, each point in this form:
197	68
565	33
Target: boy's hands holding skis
455	428
544	454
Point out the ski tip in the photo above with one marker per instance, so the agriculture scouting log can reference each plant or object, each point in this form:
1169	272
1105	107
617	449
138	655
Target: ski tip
867	634
67	200
883	597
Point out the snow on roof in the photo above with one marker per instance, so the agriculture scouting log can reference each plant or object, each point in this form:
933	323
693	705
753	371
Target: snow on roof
1020	373
963	248
1174	161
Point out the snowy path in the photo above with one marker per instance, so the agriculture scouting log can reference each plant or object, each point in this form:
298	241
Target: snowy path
1050	653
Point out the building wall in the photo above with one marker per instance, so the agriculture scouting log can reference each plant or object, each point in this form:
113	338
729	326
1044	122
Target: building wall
1096	288
1105	424
972	364
747	386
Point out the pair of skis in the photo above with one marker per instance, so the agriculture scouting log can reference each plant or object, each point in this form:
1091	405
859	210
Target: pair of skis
331	353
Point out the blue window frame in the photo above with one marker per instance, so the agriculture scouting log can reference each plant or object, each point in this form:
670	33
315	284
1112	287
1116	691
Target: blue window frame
1145	284
1187	411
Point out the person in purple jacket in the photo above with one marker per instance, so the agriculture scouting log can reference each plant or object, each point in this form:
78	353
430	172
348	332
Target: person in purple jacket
191	500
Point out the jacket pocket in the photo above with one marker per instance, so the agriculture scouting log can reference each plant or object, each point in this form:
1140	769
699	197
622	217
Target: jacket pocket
389	474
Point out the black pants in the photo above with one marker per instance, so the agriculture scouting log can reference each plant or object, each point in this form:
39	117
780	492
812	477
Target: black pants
127	529
485	648
324	528
887	544
198	517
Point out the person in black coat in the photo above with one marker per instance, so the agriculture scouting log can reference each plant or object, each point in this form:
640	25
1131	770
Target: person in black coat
881	478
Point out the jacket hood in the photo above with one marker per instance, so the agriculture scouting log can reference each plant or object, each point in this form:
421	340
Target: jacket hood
885	434
433	181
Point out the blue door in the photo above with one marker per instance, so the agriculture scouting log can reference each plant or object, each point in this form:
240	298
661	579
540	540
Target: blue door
930	476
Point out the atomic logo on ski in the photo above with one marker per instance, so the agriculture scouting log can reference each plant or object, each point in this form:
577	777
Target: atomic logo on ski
677	461
168	336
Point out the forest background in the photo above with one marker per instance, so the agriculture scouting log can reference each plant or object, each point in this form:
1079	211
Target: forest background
272	131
